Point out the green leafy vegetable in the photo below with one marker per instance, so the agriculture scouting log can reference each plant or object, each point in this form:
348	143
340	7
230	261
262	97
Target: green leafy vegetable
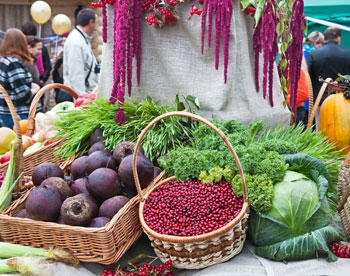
215	175
274	166
188	163
299	210
305	246
259	188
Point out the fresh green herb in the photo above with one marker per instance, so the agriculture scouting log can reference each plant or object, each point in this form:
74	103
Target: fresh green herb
76	127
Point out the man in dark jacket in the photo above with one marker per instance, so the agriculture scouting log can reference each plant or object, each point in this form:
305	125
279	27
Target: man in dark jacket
328	61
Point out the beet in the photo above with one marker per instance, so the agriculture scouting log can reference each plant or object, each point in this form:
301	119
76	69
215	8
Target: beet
145	170
93	202
156	172
127	192
79	186
112	205
96	136
124	149
21	214
44	203
46	170
76	211
99	222
100	146
59	184
103	183
78	167
98	159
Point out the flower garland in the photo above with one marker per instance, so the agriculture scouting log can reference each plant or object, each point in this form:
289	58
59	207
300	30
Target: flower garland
275	21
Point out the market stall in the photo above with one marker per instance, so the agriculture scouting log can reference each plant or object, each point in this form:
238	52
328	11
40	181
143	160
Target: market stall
198	163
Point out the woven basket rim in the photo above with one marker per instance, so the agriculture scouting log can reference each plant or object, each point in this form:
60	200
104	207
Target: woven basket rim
191	239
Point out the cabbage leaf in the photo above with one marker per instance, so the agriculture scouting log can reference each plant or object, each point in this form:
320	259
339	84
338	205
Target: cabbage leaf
309	245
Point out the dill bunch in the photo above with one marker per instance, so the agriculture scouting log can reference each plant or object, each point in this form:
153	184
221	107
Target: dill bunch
76	126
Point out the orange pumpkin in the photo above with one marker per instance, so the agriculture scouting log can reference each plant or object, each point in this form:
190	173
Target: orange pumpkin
335	121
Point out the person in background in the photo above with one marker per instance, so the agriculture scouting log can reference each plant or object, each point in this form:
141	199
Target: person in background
313	41
43	61
14	77
34	47
327	62
57	74
80	68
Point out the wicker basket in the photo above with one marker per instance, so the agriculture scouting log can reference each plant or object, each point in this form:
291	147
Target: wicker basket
19	167
46	154
202	250
344	195
104	245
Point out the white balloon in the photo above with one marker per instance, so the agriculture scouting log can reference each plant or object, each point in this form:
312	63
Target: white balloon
61	24
40	11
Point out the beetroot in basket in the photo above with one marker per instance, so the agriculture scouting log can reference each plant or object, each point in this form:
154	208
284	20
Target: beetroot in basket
190	208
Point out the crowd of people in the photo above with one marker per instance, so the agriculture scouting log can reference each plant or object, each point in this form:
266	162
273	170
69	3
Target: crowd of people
25	65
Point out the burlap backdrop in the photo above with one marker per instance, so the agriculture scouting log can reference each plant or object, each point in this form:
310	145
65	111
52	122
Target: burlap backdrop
172	63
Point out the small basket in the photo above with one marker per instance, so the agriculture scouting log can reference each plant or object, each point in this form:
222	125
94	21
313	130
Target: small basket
46	154
105	245
344	195
202	250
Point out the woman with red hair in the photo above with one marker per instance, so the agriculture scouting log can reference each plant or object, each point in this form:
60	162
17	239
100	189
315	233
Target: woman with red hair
14	77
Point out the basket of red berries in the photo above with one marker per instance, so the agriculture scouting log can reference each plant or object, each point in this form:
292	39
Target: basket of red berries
193	224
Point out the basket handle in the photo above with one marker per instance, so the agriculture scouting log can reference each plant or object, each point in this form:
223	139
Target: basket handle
317	103
42	91
347	194
19	152
196	117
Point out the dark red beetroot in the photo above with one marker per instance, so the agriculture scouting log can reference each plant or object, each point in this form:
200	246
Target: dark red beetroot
46	170
76	211
60	185
99	146
44	203
99	222
96	136
93	202
98	159
21	214
156	172
124	149
126	192
103	183
111	206
145	170
79	186
78	167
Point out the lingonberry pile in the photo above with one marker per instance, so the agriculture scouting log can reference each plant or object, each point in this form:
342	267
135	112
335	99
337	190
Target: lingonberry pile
145	270
341	249
190	208
2	177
